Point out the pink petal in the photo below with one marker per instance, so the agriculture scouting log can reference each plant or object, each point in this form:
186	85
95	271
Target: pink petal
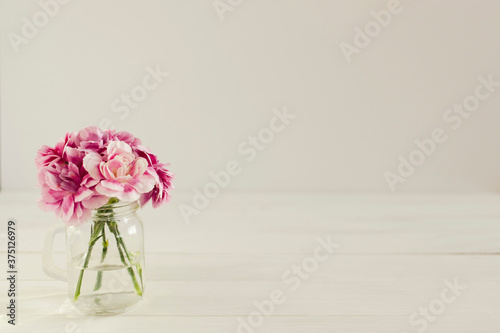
73	155
111	188
139	167
128	138
47	206
117	147
114	165
90	145
151	171
89	133
91	164
51	180
145	198
143	184
41	177
95	201
146	153
67	208
129	193
50	195
80	216
88	181
122	172
165	197
106	172
83	193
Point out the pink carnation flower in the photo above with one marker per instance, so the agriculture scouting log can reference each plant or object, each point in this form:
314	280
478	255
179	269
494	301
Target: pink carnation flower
122	174
66	192
91	139
163	179
87	168
47	155
161	192
126	137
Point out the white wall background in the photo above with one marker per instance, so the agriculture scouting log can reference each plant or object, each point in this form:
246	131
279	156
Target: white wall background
353	120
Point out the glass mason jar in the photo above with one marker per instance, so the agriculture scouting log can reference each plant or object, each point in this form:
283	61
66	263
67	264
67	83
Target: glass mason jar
105	260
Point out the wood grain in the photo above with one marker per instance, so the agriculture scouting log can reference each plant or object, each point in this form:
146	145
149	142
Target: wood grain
394	257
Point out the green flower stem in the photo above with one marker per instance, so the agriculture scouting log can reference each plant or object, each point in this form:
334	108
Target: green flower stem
105	243
139	268
94	237
102	212
119	243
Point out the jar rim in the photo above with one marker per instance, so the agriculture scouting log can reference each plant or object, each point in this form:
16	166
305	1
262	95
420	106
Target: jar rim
115	209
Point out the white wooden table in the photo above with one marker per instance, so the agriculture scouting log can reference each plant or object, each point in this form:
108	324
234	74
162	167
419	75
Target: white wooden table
394	256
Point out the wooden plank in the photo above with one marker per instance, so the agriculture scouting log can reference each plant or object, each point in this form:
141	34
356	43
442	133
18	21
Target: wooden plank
394	257
344	285
233	298
381	236
264	267
289	224
229	324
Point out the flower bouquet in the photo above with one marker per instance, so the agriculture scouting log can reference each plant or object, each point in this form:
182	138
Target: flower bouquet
102	177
